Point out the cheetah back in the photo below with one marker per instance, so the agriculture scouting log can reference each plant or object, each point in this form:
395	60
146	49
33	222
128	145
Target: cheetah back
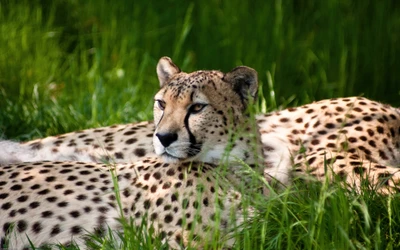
356	137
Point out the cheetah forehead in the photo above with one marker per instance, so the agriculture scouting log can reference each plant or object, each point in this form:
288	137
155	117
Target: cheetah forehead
184	85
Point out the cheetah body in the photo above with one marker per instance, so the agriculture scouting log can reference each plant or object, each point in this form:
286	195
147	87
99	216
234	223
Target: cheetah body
353	137
119	143
56	202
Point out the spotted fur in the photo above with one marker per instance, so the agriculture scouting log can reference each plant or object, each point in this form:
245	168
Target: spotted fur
353	138
56	202
117	143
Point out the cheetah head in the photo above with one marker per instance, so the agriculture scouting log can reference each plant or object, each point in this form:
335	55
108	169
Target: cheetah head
196	113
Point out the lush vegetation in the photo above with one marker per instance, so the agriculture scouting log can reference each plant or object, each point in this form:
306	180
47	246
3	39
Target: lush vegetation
68	64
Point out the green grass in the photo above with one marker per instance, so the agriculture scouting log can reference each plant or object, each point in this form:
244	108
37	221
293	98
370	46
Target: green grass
312	216
67	65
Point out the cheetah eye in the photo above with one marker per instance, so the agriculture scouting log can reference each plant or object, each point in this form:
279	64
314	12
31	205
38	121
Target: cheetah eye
197	107
160	104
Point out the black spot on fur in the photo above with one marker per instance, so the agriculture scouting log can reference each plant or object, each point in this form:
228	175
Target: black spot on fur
62	204
37	227
34	204
367	118
3	196
140	152
36	145
168	218
47	214
76	230
159	201
311	160
22	226
75	214
16	187
383	155
359	170
55	230
22	198
131	141
119	155
157	175
6	206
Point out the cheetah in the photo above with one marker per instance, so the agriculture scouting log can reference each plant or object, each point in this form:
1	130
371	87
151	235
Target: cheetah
53	202
352	137
50	203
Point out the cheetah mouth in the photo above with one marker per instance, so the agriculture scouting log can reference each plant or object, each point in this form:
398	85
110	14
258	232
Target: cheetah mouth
192	153
178	152
171	158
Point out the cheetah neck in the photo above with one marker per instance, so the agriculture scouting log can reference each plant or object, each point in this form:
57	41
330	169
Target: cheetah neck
241	146
245	146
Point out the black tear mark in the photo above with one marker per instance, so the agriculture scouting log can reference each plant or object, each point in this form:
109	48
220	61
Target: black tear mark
195	148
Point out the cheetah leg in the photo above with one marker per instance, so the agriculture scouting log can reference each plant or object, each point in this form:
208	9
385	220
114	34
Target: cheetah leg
277	162
352	169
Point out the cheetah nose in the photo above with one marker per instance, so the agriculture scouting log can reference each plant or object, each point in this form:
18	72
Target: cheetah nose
167	138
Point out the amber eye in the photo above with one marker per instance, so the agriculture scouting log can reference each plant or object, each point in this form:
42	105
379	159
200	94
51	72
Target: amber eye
196	108
160	104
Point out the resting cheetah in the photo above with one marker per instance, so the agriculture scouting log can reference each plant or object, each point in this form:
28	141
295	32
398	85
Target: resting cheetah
56	202
181	200
354	135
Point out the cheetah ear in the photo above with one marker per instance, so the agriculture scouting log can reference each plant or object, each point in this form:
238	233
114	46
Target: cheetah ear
166	69
244	81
